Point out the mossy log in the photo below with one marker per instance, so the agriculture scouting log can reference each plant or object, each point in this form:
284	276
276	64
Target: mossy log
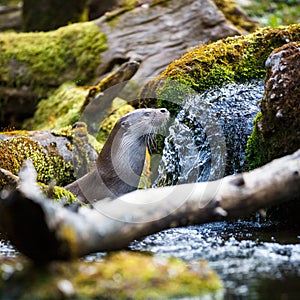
44	230
156	34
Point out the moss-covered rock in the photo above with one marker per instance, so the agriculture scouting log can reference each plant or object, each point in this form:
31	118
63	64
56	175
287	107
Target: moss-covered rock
234	59
276	130
58	155
91	104
42	60
123	275
276	127
60	109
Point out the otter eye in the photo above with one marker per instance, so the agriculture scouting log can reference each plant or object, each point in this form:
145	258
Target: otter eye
124	124
147	114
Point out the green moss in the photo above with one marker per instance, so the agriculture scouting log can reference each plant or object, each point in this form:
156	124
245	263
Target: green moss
234	59
255	144
49	166
58	193
44	59
116	276
119	109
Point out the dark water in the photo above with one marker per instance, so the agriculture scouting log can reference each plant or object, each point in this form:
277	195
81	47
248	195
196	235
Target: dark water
255	261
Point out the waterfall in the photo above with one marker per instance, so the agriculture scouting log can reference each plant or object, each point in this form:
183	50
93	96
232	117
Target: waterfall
207	139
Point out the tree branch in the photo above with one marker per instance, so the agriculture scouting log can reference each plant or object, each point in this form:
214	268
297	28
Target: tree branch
44	230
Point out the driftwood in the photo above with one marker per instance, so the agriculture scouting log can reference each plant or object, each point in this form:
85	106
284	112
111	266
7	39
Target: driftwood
44	230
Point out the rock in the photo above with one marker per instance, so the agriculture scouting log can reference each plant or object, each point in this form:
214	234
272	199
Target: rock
158	33
234	59
277	127
59	155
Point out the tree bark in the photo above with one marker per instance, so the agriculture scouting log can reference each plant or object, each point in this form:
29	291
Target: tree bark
44	230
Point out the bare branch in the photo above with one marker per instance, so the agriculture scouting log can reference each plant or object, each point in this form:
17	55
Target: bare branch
44	230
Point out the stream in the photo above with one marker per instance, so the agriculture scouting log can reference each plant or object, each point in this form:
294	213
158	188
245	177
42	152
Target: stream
255	260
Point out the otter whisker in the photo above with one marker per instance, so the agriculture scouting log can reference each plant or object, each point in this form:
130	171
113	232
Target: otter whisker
151	142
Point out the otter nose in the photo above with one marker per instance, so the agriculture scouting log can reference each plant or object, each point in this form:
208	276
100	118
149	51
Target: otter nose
163	110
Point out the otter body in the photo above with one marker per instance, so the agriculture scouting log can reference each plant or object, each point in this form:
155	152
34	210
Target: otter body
121	161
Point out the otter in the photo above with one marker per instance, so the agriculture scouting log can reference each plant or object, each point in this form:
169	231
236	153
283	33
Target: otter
121	161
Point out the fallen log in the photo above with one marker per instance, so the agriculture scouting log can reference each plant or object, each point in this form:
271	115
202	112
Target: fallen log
44	230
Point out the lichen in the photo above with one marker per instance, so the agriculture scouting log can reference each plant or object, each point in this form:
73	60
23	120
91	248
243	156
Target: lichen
116	276
40	60
234	59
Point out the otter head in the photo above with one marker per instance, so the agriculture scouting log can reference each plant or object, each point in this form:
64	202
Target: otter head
142	122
